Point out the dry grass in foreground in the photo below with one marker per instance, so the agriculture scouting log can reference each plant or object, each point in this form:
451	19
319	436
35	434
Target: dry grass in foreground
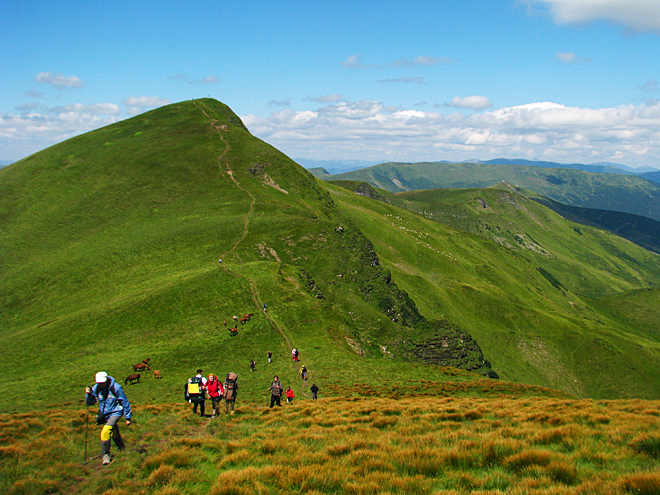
355	446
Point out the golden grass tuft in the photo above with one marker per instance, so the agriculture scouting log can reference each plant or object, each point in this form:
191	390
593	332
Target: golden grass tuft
161	475
641	483
527	458
177	457
32	486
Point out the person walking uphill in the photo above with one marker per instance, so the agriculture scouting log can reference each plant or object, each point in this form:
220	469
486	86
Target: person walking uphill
289	394
231	389
216	391
195	392
276	390
113	404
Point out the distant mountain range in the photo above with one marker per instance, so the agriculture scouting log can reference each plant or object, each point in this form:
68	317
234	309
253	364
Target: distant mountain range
4	163
324	168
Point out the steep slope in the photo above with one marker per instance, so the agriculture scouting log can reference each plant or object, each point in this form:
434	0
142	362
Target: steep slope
113	242
625	193
531	287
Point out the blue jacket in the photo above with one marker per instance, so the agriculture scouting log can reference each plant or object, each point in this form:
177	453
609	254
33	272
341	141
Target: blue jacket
115	404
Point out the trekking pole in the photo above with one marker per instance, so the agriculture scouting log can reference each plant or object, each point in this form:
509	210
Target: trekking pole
86	432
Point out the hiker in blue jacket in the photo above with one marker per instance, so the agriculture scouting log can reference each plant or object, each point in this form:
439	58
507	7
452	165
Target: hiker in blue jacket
113	404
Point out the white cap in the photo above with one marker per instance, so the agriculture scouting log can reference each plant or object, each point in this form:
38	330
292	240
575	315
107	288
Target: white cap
101	377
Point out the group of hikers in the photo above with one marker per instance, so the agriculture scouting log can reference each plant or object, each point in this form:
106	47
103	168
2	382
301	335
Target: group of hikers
199	387
113	403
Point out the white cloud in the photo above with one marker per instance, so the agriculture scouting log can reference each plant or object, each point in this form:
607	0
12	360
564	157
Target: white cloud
636	15
21	135
326	98
58	80
285	102
34	94
571	58
95	109
138	104
474	102
543	130
355	62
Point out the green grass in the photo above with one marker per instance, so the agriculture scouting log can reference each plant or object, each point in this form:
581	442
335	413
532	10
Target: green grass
113	258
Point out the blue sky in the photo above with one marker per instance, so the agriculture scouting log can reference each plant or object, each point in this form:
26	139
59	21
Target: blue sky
561	80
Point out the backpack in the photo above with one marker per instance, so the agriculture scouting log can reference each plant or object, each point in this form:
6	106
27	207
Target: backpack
194	390
231	386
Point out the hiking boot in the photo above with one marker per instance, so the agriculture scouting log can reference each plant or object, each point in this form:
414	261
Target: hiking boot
106	459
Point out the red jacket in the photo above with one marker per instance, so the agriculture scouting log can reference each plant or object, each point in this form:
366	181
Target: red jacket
289	393
215	388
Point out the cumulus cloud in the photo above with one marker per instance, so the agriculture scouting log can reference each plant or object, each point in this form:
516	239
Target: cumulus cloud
543	130
138	104
641	16
474	102
58	80
37	128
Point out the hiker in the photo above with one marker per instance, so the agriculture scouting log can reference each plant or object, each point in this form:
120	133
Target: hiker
215	390
295	354
265	307
303	372
231	388
276	390
195	392
289	394
253	365
270	357
315	391
113	404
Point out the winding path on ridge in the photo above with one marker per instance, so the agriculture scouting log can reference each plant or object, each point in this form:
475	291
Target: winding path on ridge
226	171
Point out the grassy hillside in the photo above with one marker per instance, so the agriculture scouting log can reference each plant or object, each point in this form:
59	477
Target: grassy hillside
113	242
625	193
522	281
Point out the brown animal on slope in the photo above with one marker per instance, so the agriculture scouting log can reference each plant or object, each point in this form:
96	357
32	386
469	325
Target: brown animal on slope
246	318
233	331
141	367
235	318
132	378
157	374
146	361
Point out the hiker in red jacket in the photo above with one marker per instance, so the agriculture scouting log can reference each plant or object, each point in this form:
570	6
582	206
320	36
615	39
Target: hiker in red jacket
215	390
289	394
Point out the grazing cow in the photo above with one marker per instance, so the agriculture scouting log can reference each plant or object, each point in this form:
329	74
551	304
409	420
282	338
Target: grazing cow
235	318
141	367
132	378
157	374
233	332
